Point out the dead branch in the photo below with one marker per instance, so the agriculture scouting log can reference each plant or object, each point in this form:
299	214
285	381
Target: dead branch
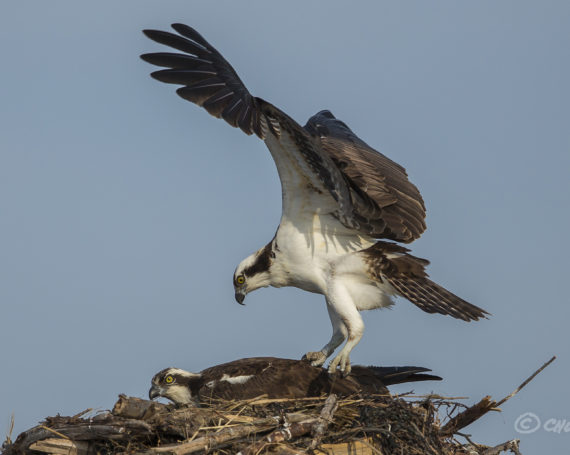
57	446
216	440
478	410
512	446
137	408
526	381
468	416
330	407
290	431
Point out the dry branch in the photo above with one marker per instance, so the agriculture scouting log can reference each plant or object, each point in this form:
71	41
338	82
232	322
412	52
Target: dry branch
290	431
526	381
481	408
61	447
512	446
468	416
326	417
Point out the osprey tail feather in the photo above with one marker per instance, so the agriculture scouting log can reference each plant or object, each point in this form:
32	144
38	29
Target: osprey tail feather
433	298
406	274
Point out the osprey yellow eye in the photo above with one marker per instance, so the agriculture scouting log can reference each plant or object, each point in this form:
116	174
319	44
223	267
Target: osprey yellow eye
240	279
169	379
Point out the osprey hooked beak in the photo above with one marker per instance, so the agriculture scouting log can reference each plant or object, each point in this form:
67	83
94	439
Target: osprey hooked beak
240	296
153	393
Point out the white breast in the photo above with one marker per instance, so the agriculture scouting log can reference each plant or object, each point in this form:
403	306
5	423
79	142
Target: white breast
309	247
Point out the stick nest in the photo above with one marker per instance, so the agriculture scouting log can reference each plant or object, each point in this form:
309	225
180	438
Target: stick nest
376	424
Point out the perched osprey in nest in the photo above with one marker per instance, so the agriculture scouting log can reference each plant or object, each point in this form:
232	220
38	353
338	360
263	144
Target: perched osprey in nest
277	378
339	197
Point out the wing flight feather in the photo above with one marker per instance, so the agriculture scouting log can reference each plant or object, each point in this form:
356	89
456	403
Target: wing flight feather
373	194
208	80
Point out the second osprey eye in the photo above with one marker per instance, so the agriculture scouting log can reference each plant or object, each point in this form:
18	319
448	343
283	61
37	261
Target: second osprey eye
240	279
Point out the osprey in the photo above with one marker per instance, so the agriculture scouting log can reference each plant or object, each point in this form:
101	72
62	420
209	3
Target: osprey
277	378
339	196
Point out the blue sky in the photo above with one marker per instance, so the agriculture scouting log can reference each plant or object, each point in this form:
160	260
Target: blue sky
124	209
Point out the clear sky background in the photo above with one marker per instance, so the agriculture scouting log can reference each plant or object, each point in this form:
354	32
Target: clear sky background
124	209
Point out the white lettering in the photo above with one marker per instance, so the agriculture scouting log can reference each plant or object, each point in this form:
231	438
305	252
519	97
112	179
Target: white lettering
554	425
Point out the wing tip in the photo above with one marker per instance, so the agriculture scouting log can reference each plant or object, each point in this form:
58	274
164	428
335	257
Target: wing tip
152	33
147	57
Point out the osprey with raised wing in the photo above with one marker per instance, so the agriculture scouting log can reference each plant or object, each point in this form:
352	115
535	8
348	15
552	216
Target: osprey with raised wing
339	195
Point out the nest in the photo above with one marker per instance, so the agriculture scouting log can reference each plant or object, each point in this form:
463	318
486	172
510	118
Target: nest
367	425
327	425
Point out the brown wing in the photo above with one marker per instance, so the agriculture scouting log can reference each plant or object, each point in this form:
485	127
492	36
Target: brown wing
209	81
386	203
372	193
274	377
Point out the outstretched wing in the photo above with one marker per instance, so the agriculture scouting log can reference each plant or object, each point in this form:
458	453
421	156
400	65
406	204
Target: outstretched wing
389	204
324	165
207	78
209	81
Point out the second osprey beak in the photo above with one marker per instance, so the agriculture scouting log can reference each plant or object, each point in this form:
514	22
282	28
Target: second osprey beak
240	296
153	393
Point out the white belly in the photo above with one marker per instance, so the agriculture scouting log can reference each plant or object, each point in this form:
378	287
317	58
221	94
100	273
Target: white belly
308	253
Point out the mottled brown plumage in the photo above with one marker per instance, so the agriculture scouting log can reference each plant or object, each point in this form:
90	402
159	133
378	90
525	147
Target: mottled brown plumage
278	378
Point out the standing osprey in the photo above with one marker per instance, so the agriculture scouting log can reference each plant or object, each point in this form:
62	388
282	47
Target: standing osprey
277	378
339	197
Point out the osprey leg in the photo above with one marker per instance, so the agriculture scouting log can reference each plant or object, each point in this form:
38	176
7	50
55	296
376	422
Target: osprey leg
340	333
342	305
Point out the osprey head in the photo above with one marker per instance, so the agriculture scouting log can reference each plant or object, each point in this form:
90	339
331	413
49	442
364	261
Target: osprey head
174	384
253	272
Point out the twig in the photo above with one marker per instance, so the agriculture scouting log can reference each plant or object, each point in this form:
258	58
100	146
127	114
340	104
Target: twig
468	416
259	402
212	441
481	408
325	418
530	378
82	413
247	402
51	430
513	446
370	446
287	432
467	438
8	439
435	396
